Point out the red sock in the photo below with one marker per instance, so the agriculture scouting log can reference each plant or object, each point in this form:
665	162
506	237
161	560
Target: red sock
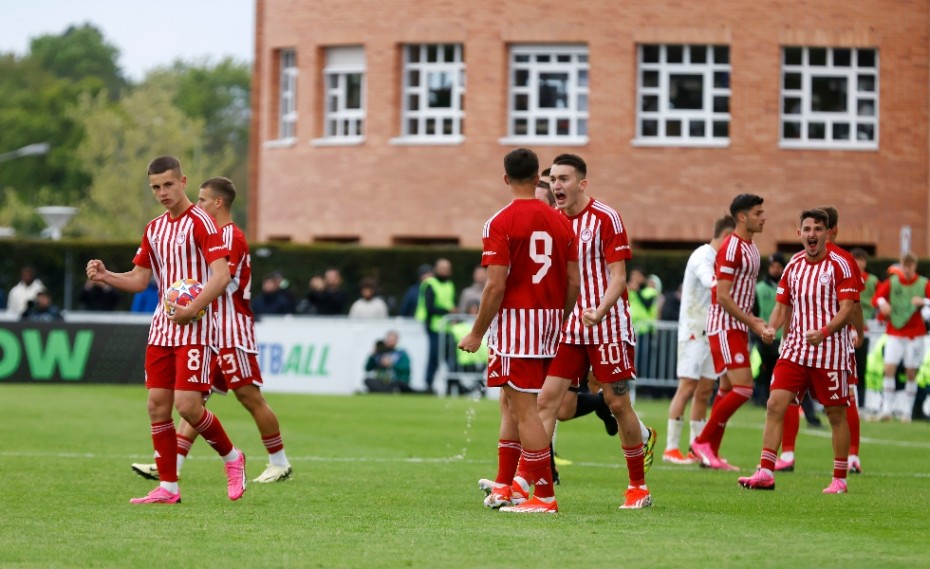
768	459
166	450
508	455
716	424
840	466
212	431
273	443
852	417
539	471
792	423
634	464
184	445
702	437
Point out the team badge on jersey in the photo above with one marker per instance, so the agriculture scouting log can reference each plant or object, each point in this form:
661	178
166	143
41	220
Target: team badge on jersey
182	237
586	235
826	278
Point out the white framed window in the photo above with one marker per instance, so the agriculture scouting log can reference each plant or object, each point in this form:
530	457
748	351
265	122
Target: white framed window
548	98
433	94
344	96
287	94
683	95
829	97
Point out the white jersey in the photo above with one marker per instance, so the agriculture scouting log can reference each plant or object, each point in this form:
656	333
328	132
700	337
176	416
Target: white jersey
695	293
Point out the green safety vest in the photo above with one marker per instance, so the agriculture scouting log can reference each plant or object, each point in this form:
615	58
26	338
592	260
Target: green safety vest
865	298
765	295
641	316
901	307
444	298
463	358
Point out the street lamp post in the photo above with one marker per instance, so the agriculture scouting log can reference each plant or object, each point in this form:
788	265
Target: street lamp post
36	149
56	216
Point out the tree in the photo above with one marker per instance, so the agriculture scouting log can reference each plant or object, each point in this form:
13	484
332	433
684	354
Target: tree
120	141
82	56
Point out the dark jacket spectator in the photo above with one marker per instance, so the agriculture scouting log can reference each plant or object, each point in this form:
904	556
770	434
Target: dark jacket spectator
273	299
98	296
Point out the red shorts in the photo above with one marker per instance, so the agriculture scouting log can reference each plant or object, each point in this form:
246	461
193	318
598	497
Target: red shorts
233	368
522	374
181	368
730	350
609	362
853	372
828	386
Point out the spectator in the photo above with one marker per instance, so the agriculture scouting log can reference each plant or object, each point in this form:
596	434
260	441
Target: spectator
25	290
408	305
273	299
437	298
99	297
642	300
388	367
472	293
671	306
325	295
148	300
369	305
41	309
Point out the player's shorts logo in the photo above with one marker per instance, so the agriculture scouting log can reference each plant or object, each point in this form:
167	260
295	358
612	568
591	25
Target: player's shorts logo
586	234
181	238
739	358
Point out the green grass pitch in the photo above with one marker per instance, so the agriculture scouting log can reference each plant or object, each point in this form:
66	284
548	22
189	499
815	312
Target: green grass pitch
391	481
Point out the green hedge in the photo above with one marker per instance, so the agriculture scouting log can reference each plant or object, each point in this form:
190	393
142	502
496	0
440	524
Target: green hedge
394	268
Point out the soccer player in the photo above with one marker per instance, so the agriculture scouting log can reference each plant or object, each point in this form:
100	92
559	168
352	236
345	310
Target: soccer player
532	278
856	331
729	322
899	300
818	291
236	365
696	375
598	333
182	243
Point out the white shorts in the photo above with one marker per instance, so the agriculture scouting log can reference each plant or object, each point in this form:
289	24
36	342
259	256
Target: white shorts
898	348
694	359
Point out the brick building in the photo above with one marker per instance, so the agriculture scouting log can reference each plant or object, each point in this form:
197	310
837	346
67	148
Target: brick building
385	123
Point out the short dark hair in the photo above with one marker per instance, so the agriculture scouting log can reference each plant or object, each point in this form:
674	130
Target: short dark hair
164	164
816	214
833	216
743	203
521	164
574	161
860	253
223	187
777	257
722	224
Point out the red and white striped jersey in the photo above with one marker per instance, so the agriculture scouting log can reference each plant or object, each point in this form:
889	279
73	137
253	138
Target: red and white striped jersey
601	240
857	273
233	322
814	291
176	249
737	261
536	243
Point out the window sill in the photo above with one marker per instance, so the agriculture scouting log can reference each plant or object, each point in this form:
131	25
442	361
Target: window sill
681	143
280	143
338	141
825	145
543	141
427	140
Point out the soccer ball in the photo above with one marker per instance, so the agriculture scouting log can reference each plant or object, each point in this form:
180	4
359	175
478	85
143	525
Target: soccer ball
183	292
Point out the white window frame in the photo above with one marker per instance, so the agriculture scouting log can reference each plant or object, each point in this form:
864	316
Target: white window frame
342	125
423	116
855	93
533	61
287	96
663	115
